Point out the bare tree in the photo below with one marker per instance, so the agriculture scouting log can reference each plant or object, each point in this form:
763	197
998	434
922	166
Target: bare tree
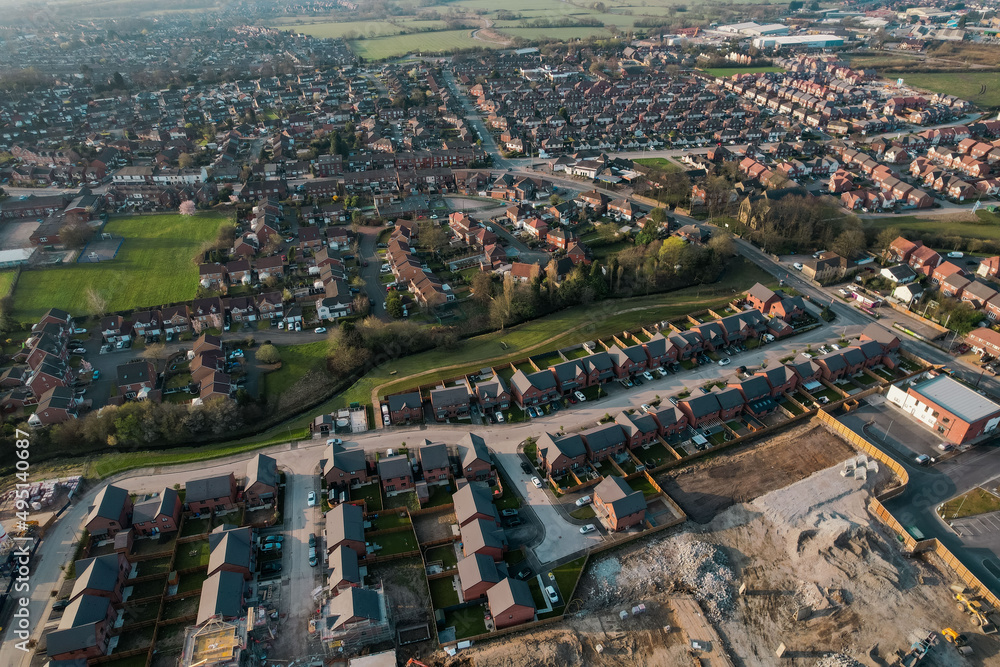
97	302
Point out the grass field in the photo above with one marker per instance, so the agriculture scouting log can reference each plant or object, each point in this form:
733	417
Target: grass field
976	501
595	322
962	84
6	282
154	266
731	71
336	29
987	227
422	42
561	34
296	360
661	163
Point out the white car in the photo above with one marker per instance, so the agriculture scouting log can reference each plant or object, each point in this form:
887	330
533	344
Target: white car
725	362
956	254
797	266
585	500
551	592
79	330
499	417
645	407
311	499
537	482
385	268
334	441
319	330
648	376
589	528
579	396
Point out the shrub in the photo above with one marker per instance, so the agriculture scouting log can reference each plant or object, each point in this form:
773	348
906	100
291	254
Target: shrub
268	354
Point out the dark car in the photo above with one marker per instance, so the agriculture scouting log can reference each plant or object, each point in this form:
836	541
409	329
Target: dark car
526	468
510	522
523	573
271	567
274	538
59	605
508	512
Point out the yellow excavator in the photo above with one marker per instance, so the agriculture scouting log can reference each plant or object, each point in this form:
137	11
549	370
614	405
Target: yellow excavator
978	611
955	638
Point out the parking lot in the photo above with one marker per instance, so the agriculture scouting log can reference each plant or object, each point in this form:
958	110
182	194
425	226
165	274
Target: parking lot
906	436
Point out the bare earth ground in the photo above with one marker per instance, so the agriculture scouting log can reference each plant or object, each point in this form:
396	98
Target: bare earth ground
430	527
811	544
705	489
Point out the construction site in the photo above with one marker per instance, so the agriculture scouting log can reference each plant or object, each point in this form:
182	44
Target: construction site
798	574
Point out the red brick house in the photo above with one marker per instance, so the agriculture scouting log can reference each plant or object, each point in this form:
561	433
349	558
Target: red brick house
262	481
558	455
345	527
136	378
535	388
474	503
84	630
395	474
762	299
483	537
102	576
343	467
618	505
110	513
207	313
404	408
232	550
160	514
475	458
510	603
477	575
945	271
434	464
211	494
344	571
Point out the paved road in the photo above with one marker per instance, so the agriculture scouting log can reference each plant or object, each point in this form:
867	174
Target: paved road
371	274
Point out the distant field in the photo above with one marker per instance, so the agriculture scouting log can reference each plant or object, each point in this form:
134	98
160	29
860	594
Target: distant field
336	29
424	42
962	84
562	34
154	266
731	71
988	226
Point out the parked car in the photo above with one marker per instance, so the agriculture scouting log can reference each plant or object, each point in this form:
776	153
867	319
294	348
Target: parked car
579	396
499	416
59	605
523	573
512	521
508	512
537	482
648	376
79	330
96	375
319	330
645	407
270	546
797	266
271	567
923	460
279	539
334	441
526	467
725	362
583	500
946	446
589	528
311	499
551	592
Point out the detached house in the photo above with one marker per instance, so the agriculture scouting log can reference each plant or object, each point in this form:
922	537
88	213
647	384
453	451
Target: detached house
475	458
207	313
211	494
434	462
160	514
404	408
262	480
110	513
344	468
618	505
395	474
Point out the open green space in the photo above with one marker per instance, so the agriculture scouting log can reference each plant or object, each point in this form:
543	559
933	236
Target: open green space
155	265
390	520
6	282
422	42
192	581
961	84
560	34
976	501
561	329
585	512
336	29
642	484
296	361
732	71
986	227
443	593
192	554
660	163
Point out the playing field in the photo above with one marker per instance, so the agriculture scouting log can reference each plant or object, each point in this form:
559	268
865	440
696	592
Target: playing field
423	42
659	163
961	84
561	34
731	71
334	29
987	225
154	266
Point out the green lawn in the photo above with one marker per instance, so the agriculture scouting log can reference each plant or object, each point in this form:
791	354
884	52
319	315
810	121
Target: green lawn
371	494
154	266
390	520
192	581
395	543
962	84
731	71
192	554
148	589
585	512
296	360
467	622
443	593
660	163
561	34
566	576
6	282
655	456
445	554
336	29
976	501
424	42
642	484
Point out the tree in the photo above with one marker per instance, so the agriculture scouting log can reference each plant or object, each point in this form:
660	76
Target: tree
361	305
97	301
482	287
268	354
394	305
74	234
650	230
849	243
657	215
154	352
187	207
795	5
432	236
185	160
555	200
885	238
718	192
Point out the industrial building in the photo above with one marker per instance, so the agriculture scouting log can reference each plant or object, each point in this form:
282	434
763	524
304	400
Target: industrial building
955	410
806	41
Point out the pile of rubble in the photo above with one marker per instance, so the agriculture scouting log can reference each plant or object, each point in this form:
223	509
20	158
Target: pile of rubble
839	660
698	566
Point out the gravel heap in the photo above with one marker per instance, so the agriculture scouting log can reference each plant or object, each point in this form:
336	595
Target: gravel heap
839	660
705	569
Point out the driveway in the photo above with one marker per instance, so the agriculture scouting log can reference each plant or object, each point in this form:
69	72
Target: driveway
561	537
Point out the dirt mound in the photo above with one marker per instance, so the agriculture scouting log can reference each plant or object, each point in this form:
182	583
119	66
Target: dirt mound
558	648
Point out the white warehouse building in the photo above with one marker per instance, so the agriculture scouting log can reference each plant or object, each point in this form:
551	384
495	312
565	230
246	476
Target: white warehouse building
808	41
